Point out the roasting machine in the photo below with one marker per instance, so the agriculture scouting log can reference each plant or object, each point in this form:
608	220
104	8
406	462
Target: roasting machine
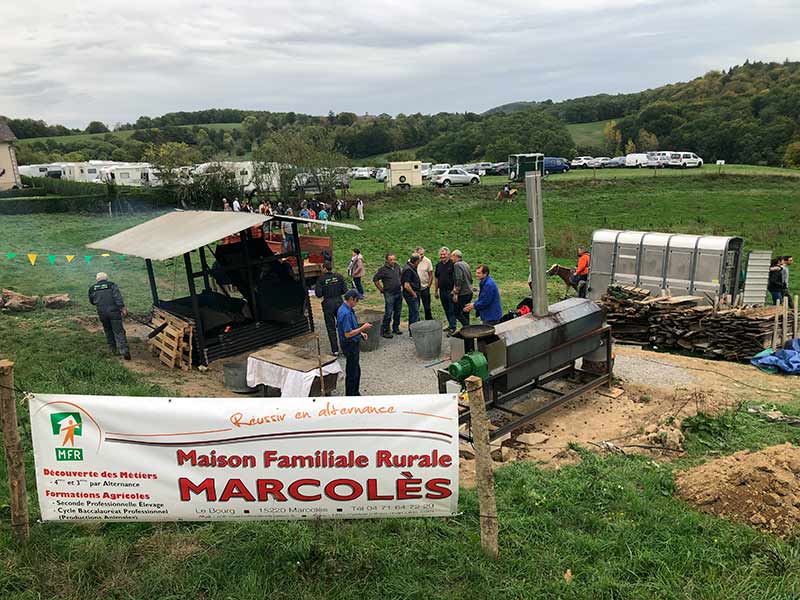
528	352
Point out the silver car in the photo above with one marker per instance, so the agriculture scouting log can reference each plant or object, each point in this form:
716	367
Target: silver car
456	177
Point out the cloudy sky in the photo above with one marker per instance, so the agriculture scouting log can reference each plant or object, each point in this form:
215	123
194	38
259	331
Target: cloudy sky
71	62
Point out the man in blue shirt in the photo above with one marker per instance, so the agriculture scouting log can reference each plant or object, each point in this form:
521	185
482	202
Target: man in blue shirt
350	336
488	306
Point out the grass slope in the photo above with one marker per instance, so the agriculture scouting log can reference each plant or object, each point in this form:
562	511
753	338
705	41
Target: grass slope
613	522
587	134
120	134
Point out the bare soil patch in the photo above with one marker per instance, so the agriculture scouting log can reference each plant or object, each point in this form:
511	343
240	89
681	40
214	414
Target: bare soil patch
761	489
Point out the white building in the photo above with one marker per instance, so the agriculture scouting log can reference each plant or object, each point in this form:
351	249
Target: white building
9	172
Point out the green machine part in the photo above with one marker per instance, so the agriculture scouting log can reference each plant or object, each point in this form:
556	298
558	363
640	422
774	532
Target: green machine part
472	363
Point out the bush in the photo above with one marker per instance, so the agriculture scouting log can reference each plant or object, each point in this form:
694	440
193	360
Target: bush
63	187
23	193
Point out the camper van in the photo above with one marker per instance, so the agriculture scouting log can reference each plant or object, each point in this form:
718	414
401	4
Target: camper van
405	175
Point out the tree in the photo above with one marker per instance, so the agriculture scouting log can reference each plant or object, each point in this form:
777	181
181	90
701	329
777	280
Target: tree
613	138
167	159
630	147
791	158
647	141
96	127
206	190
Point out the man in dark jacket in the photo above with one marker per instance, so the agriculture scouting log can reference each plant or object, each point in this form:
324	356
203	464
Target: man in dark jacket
330	287
443	286
411	288
387	280
462	287
107	298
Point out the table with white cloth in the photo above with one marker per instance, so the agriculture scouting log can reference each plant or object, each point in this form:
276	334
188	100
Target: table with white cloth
289	369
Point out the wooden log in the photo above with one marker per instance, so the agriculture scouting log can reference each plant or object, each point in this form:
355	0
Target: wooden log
775	329
794	328
483	466
15	461
785	312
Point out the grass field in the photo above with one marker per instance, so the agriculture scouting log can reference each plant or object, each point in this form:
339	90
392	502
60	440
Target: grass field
587	134
120	134
613	522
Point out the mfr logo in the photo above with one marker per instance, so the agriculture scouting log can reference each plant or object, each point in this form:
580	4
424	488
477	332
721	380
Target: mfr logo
68	425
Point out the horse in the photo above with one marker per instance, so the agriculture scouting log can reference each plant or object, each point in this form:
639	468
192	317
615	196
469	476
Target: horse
566	274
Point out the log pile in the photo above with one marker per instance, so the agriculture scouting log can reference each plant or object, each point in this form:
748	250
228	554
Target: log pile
681	322
14	302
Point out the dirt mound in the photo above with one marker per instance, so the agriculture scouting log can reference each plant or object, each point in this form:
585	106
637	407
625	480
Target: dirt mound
761	489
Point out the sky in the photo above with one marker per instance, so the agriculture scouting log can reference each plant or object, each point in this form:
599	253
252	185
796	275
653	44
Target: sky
73	62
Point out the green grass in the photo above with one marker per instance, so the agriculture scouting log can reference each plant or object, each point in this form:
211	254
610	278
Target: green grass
587	134
613	522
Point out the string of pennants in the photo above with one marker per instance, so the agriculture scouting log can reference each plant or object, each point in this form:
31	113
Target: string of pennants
54	258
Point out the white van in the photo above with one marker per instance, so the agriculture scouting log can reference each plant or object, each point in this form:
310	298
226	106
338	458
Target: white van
685	160
636	160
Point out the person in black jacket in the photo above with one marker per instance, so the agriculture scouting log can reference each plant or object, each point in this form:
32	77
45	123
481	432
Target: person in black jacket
107	298
330	287
775	283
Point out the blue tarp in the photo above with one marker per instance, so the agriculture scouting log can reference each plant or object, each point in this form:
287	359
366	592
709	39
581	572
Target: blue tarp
787	359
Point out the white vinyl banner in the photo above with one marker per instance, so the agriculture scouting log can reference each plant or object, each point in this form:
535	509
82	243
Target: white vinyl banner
116	458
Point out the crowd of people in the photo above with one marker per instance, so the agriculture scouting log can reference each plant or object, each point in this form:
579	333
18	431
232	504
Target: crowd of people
309	209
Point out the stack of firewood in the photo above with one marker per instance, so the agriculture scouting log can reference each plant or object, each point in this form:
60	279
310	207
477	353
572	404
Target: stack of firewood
682	322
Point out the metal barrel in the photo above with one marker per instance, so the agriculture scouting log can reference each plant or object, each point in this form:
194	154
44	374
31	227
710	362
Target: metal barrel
538	253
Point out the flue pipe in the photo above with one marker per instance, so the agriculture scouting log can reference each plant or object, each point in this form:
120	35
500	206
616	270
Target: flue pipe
536	246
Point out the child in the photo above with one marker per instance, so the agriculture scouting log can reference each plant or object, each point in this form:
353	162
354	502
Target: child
323	216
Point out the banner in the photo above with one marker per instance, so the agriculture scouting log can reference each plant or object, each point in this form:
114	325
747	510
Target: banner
116	458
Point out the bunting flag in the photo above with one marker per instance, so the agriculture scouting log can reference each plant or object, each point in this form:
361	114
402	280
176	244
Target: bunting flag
11	255
51	258
105	254
32	258
88	258
70	257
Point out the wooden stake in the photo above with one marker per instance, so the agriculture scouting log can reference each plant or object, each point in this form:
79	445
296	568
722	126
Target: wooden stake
483	466
785	333
775	326
794	329
14	456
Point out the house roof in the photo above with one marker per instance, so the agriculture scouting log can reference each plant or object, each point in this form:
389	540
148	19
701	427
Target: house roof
6	135
179	232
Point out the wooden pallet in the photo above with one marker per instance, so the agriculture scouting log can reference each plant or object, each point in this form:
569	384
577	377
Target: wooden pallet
173	345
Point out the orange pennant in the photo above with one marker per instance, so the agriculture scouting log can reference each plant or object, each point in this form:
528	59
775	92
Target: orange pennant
32	258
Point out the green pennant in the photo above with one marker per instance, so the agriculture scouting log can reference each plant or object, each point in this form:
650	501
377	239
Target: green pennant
51	258
122	257
88	259
11	254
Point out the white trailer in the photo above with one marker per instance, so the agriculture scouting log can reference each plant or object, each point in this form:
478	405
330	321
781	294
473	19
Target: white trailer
405	175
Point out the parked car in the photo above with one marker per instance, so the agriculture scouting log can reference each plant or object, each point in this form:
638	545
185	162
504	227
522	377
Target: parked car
361	173
615	163
500	168
658	159
441	166
555	165
580	162
684	160
382	175
426	170
373	171
636	160
598	163
455	176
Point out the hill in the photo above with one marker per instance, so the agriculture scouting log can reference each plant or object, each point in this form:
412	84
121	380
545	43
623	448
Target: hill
747	114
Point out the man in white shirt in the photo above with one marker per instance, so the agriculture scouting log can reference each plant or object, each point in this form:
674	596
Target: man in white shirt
425	272
236	206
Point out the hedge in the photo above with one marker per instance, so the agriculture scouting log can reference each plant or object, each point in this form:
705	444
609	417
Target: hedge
64	187
23	193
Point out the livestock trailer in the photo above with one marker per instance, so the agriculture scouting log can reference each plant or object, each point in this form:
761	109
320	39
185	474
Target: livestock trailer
520	164
699	265
405	174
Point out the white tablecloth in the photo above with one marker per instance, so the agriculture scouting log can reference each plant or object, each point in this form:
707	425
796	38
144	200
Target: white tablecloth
293	384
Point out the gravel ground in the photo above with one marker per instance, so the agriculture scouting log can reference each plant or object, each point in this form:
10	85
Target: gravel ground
637	370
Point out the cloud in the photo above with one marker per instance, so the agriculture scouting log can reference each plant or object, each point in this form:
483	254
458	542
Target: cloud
116	61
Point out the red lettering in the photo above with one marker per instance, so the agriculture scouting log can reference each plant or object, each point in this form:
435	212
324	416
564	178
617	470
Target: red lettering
294	490
186	487
330	489
235	488
270	487
438	489
445	460
409	489
372	491
383	458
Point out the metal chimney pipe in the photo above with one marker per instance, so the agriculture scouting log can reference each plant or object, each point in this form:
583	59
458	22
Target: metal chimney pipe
536	246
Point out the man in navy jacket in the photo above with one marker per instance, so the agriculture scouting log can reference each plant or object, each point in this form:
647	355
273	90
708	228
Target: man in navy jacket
488	306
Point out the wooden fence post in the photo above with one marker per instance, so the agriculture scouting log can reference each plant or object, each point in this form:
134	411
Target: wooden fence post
483	466
14	455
